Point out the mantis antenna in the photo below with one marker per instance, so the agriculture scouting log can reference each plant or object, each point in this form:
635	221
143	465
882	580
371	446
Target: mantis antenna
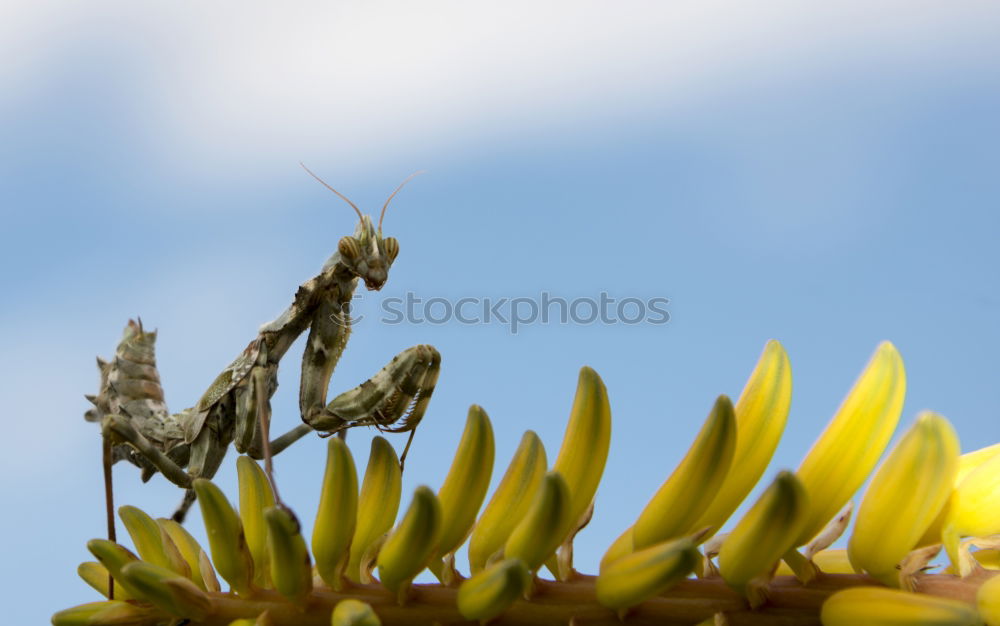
386	205
342	196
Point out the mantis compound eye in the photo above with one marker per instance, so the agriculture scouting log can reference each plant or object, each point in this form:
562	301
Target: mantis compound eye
349	248
391	248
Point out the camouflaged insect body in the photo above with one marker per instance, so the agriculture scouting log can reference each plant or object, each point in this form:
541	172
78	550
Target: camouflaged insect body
130	386
132	413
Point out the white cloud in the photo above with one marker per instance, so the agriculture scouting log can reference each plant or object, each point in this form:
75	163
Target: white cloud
350	82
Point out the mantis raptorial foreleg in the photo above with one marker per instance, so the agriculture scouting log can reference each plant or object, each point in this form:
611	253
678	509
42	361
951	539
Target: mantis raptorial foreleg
393	400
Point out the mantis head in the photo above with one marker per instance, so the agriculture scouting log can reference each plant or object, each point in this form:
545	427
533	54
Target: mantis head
366	253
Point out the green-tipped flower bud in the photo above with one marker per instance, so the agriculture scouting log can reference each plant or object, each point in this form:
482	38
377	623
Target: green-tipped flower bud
291	569
190	551
761	413
622	546
351	612
878	606
465	486
167	590
639	576
377	508
510	501
586	441
113	557
540	532
767	531
337	513
255	497
151	542
225	537
96	575
109	612
684	496
408	548
490	592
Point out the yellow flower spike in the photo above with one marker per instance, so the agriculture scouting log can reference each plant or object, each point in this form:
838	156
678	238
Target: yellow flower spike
974	510
510	501
878	606
690	489
765	532
351	612
151	542
988	601
645	573
113	557
291	569
491	591
255	496
622	546
904	497
96	575
109	612
846	452
225	537
408	548
539	533
761	414
167	590
465	486
337	514
377	507
188	548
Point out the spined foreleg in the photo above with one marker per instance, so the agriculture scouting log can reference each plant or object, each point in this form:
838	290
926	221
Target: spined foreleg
393	400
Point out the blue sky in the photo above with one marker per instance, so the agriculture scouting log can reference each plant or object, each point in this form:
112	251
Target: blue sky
823	176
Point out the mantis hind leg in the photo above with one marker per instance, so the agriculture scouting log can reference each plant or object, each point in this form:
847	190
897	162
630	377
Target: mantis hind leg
118	427
393	400
181	512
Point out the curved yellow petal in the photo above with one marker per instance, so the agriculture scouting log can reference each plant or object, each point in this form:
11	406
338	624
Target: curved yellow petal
510	501
761	413
850	446
905	495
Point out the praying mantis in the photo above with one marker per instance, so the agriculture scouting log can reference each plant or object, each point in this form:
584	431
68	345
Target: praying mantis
137	426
